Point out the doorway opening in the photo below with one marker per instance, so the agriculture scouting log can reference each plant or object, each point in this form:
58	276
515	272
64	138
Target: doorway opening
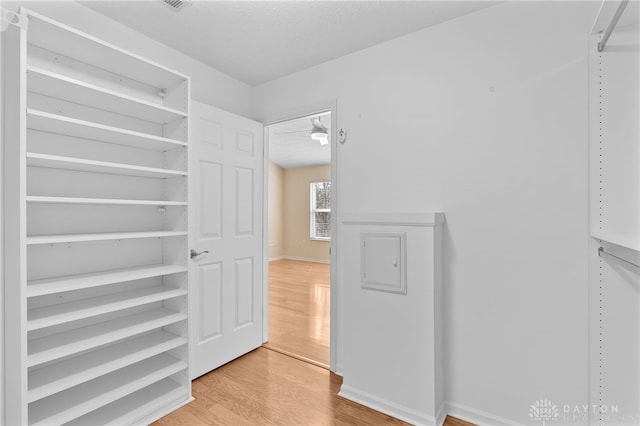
299	237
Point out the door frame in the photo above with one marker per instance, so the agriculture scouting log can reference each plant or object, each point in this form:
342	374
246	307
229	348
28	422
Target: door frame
292	114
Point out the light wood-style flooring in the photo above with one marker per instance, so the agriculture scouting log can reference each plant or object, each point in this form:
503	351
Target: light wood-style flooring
299	309
268	387
265	387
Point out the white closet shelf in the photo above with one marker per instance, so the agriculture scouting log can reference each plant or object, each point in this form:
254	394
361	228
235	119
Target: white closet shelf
103	201
80	400
103	236
51	315
59	124
60	345
67	41
93	166
133	409
617	240
81	281
59	86
63	375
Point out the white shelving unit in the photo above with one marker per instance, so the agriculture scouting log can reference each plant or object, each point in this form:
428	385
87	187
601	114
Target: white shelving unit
96	247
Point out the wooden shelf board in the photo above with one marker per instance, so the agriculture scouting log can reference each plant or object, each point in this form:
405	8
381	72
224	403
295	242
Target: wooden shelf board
58	377
59	124
67	41
60	345
92	166
97	279
137	406
105	236
80	400
59	86
100	201
49	316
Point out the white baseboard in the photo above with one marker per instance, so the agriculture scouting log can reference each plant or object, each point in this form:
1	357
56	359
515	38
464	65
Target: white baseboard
441	415
167	409
339	370
271	259
387	407
479	417
306	259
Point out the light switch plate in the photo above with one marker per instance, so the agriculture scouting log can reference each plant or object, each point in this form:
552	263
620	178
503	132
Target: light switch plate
383	261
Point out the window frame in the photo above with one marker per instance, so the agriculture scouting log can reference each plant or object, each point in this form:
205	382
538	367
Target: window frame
313	210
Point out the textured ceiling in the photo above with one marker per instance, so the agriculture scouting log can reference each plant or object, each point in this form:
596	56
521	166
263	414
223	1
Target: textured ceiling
291	146
258	41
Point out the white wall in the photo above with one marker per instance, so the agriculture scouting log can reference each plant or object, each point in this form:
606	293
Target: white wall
207	84
297	219
2	381
276	211
289	218
483	118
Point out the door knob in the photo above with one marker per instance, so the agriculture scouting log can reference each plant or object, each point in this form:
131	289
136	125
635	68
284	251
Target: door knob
194	253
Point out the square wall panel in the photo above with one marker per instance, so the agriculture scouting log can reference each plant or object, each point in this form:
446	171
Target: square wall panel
383	262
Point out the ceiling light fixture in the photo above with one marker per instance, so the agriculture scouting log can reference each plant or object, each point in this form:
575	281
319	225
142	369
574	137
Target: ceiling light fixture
177	4
319	132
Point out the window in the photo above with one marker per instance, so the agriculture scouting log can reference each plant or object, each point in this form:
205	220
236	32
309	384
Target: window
321	210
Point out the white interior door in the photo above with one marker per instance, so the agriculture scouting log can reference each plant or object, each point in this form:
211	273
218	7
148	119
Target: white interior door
225	224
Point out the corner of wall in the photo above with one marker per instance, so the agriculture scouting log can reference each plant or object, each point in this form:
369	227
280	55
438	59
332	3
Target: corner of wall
2	382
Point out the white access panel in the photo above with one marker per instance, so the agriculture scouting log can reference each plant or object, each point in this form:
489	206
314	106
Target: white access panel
384	262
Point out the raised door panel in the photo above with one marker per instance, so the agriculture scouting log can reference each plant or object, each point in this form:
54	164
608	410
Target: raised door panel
244	196
210	302
210	199
244	305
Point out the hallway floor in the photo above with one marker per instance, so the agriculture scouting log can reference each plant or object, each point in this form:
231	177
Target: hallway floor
268	388
299	301
265	387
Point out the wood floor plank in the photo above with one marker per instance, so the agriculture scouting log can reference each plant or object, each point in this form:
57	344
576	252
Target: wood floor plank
452	421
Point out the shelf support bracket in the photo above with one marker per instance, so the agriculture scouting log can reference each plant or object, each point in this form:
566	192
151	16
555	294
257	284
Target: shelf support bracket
9	17
612	25
602	251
